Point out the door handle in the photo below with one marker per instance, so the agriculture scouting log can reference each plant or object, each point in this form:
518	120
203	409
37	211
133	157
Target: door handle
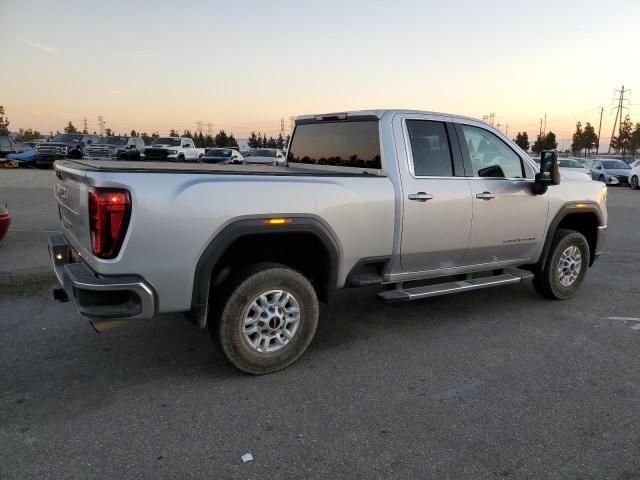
420	196
485	196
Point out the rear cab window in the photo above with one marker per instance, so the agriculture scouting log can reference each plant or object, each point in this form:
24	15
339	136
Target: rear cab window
347	146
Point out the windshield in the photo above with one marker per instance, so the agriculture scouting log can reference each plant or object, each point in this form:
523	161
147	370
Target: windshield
112	141
615	164
66	138
570	163
224	153
263	152
171	141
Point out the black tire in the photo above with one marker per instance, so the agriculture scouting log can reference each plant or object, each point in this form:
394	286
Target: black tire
547	281
75	155
123	156
634	183
246	286
180	158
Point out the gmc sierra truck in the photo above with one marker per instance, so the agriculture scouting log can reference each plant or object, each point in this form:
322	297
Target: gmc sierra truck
115	148
420	204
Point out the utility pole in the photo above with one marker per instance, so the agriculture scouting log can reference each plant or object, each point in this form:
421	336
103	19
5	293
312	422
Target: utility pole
540	134
492	118
618	113
199	125
507	134
599	128
210	129
544	130
101	124
85	129
282	127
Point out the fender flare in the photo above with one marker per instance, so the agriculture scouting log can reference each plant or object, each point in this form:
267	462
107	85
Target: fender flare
586	207
254	226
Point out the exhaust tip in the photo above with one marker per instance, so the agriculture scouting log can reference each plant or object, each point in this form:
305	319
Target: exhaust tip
101	326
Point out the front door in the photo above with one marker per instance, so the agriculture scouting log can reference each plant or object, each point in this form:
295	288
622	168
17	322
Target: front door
509	221
436	198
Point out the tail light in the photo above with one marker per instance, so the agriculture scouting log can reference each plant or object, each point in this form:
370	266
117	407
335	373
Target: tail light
109	212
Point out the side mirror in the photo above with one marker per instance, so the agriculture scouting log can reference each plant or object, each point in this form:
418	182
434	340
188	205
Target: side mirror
549	172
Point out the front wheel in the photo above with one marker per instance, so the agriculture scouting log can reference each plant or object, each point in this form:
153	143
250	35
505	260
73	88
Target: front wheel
269	319
634	183
565	267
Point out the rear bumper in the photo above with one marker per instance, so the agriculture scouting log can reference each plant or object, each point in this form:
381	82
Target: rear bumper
100	296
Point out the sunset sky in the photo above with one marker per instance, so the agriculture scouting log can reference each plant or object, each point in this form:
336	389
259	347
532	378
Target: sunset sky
243	65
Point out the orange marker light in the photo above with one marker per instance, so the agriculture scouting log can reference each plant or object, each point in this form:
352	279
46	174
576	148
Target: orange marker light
277	221
581	205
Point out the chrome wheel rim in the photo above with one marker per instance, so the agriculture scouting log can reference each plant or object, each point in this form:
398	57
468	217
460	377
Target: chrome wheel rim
569	266
271	321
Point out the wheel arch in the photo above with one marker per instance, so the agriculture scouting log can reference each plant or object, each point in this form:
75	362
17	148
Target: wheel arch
583	217
247	231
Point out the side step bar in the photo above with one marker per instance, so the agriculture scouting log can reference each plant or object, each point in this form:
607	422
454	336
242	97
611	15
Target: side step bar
416	293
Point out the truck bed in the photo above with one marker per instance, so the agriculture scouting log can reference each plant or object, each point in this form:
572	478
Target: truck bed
204	168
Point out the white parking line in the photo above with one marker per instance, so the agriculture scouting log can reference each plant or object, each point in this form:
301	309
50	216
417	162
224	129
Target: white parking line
633	319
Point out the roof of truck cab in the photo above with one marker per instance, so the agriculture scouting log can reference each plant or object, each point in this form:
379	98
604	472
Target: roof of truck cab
379	113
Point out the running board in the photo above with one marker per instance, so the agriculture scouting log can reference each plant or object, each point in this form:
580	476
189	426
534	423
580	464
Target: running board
416	293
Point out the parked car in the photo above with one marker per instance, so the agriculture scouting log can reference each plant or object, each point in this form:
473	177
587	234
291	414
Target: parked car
634	175
611	172
265	156
28	156
370	198
221	155
8	146
66	145
573	164
5	220
115	148
634	164
173	149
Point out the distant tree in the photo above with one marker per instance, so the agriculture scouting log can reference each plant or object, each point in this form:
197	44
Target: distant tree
546	142
155	135
635	139
145	138
272	143
174	133
107	131
550	142
589	138
232	142
280	142
85	131
578	139
622	142
522	140
134	133
286	141
253	140
221	139
187	133
28	135
265	141
209	142
4	122
70	128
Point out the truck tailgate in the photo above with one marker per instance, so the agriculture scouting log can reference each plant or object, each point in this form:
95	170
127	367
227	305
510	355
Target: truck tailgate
71	192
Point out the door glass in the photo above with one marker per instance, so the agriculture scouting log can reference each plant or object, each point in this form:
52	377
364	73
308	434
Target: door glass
490	156
429	149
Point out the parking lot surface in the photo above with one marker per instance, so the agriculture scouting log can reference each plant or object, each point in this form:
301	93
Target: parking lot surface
488	384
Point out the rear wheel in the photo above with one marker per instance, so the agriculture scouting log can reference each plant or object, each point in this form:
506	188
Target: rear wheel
268	320
634	182
565	267
180	158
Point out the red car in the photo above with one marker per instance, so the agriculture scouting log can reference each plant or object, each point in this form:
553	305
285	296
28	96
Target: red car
5	220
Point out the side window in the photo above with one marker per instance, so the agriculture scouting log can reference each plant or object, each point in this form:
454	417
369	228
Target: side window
430	148
490	156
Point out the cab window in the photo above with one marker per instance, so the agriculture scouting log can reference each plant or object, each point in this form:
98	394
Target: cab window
490	156
430	148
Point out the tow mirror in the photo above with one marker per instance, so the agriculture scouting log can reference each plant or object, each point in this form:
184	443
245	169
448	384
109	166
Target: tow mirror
549	171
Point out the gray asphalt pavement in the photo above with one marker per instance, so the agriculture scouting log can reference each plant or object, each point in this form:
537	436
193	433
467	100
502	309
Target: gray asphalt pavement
488	384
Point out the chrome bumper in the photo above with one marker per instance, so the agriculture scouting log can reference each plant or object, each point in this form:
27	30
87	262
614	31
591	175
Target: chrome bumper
99	296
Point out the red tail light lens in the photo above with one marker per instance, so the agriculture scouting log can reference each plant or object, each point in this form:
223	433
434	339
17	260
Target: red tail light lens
109	212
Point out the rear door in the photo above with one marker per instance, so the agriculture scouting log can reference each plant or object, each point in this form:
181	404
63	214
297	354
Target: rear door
436	198
509	221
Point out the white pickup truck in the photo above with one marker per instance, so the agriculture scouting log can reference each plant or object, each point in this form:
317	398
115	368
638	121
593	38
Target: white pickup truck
417	203
173	149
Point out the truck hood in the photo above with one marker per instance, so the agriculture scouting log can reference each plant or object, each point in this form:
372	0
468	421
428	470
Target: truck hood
574	175
162	146
60	144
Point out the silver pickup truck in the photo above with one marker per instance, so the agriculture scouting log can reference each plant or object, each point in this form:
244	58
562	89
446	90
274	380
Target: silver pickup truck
418	203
